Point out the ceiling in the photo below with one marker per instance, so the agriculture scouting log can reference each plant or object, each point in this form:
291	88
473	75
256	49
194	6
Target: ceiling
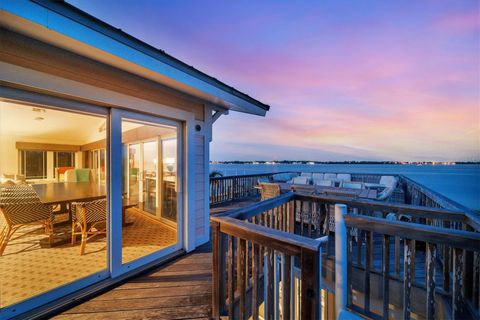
40	124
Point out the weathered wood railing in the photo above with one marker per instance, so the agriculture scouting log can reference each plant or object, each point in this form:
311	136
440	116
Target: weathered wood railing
260	267
425	265
433	244
224	189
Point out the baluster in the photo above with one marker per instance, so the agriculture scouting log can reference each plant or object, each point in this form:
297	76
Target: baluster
301	218
446	268
286	281
368	266
407	278
397	256
430	281
241	288
255	265
458	290
291	216
269	304
230	287
386	275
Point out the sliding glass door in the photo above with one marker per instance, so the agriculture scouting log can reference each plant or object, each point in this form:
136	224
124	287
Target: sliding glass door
121	169
150	226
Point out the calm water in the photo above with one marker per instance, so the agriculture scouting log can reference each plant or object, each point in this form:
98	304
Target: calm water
460	183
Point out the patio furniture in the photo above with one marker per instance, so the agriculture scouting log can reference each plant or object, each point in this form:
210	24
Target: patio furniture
79	175
87	218
269	190
301	180
330	176
308	189
306	174
323	182
317	176
344	177
352	185
21	206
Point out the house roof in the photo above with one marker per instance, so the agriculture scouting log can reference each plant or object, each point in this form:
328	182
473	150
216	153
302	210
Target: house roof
72	22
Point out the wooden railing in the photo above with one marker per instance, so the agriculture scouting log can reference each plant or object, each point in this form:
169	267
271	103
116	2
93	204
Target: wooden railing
403	260
260	267
387	256
225	189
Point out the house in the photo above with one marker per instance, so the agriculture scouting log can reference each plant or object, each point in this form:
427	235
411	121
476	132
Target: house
104	154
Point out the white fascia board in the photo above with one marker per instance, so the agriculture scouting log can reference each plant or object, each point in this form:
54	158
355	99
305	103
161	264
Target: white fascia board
48	26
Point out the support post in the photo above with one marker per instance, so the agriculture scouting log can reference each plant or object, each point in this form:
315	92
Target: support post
341	282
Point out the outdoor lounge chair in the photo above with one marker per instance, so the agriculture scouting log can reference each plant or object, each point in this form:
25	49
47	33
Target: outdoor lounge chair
323	183
20	206
330	176
301	180
269	190
89	218
352	185
344	177
317	176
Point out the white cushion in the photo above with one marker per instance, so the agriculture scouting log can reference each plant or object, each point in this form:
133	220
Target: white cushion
330	176
317	176
306	174
344	177
322	182
301	180
388	181
352	185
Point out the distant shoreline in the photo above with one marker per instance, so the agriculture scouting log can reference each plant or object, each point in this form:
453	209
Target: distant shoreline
348	162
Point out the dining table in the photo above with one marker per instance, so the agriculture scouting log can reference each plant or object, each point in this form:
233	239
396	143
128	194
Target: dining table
68	192
62	193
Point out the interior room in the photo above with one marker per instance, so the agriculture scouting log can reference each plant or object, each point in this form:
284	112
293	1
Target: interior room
53	195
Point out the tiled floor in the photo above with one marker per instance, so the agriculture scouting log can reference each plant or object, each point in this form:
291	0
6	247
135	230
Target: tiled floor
29	267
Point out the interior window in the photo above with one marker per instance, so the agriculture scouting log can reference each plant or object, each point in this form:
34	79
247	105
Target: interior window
63	160
33	164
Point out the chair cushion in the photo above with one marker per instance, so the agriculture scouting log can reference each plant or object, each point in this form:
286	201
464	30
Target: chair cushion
83	175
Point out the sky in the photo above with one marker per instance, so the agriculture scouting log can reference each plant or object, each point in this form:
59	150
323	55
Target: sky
346	80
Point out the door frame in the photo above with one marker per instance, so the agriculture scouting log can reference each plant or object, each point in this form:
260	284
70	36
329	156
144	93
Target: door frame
116	188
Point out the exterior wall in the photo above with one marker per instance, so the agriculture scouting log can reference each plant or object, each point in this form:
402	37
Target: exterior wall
31	66
32	54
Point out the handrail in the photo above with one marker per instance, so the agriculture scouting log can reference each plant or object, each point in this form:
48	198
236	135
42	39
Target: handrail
456	238
432	213
278	240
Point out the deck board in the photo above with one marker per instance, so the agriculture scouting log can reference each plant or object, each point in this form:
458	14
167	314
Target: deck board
181	289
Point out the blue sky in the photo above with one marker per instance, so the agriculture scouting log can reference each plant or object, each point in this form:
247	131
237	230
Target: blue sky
346	80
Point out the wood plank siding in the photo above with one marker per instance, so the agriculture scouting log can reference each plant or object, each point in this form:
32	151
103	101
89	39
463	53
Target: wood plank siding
28	53
200	176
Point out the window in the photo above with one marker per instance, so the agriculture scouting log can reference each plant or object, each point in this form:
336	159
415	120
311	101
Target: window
63	159
33	164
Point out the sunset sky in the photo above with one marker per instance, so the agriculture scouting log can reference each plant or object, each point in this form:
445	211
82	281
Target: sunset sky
346	80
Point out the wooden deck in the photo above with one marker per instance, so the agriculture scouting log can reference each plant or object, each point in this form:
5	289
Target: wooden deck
181	289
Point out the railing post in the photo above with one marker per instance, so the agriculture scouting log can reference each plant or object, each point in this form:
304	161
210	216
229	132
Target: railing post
216	254
310	296
341	282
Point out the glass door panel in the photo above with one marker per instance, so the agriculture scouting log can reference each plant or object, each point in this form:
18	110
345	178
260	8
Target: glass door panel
148	210
43	221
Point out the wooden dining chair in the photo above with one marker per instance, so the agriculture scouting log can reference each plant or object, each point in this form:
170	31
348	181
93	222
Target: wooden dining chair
87	220
269	190
21	206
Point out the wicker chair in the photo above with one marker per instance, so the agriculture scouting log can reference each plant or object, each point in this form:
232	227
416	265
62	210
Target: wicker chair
269	190
87	217
20	206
